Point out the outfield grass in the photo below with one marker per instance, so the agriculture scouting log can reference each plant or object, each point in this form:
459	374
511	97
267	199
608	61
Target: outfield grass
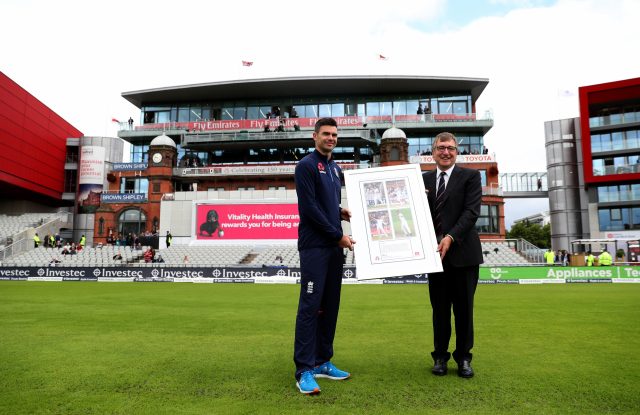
134	348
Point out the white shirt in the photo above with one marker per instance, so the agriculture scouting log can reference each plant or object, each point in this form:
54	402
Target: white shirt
447	174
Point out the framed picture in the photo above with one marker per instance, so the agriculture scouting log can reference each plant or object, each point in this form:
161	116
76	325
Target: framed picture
391	222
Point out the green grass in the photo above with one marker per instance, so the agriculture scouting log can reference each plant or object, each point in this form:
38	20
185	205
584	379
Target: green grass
127	348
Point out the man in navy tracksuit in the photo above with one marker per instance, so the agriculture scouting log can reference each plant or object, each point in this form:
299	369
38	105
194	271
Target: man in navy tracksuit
320	243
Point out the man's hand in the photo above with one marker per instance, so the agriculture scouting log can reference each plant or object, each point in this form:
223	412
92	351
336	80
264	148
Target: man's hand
444	246
346	242
345	214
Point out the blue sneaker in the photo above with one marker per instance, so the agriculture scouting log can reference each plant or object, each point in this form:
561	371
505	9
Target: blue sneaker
329	371
307	384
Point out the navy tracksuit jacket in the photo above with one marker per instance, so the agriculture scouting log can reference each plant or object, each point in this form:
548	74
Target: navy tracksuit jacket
318	189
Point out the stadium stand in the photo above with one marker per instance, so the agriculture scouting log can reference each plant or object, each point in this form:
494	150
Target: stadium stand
203	255
11	225
96	256
502	253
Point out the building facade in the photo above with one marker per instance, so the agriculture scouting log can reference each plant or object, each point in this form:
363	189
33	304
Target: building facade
240	139
593	164
34	153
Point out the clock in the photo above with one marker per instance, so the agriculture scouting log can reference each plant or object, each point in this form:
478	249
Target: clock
157	158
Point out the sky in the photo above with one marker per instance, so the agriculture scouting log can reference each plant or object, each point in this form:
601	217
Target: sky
77	57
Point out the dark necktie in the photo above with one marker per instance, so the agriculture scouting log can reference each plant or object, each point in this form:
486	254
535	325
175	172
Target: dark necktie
439	199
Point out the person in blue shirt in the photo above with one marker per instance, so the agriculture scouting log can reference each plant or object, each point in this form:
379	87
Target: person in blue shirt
320	245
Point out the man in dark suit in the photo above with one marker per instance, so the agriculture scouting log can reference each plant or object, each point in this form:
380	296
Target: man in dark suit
454	195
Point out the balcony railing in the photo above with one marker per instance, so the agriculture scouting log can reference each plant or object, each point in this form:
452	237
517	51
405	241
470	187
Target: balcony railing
290	124
619	169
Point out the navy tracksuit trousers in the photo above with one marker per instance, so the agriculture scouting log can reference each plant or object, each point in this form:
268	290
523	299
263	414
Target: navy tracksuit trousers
320	284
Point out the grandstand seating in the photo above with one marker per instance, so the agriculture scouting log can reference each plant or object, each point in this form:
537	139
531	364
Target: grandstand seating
10	225
88	257
502	253
220	255
499	253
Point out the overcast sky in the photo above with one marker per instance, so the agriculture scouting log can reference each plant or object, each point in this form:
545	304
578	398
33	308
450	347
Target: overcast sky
79	56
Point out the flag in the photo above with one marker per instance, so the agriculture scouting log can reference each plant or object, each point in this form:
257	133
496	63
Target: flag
565	93
247	63
382	58
114	120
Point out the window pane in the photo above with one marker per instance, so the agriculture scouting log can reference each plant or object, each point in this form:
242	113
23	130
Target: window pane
227	113
253	113
445	107
400	108
325	110
373	109
195	114
385	108
183	114
337	110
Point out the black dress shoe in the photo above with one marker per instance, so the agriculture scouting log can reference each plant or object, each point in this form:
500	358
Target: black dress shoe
439	367
465	370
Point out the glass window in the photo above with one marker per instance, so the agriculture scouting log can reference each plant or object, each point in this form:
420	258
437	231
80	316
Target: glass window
373	109
227	113
337	110
253	113
183	114
351	109
603	194
195	114
240	113
400	108
385	108
635	191
617	141
598	167
311	111
445	107
134	185
635	218
324	110
483	177
300	111
488	221
412	107
460	107
632	139
361	110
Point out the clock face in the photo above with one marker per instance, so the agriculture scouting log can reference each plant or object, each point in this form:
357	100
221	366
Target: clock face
157	158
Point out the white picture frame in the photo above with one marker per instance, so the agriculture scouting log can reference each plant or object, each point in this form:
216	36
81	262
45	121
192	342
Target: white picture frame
391	222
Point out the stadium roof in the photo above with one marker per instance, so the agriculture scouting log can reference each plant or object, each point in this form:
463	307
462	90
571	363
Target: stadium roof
270	88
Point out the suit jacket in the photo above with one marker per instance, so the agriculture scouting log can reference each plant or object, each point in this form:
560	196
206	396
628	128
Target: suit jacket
459	213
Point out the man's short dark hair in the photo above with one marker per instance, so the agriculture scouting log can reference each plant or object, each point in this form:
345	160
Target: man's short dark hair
325	121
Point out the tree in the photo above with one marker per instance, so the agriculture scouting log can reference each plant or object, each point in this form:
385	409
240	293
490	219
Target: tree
538	235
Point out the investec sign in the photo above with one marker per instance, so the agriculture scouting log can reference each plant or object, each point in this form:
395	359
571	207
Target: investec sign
149	274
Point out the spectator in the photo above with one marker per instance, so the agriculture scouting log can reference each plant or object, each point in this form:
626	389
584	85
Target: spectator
117	257
36	240
168	239
590	259
267	128
54	261
604	259
186	259
159	259
130	123
58	240
549	256
149	255
420	110
83	241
